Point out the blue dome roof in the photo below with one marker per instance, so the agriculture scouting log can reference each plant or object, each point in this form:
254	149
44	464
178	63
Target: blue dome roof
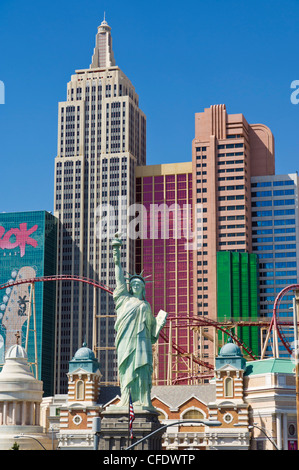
84	354
84	359
230	349
230	354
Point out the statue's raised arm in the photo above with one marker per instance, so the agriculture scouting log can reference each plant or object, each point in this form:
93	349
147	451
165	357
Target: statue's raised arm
119	275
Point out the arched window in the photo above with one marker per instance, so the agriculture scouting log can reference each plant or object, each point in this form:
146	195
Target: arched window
193	414
228	387
162	414
80	390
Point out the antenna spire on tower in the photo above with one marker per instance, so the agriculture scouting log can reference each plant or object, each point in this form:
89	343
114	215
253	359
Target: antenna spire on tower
103	54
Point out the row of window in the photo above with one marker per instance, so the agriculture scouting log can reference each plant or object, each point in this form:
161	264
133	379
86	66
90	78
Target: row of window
269	223
232	234
275	213
288	254
277	192
276	202
235	242
231	226
269	282
230	146
230	170
231	154
290	246
263	184
231	217
231	198
231	208
231	178
289	264
276	230
277	274
230	162
231	188
276	239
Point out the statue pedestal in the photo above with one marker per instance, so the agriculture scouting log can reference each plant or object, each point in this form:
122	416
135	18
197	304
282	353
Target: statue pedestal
115	433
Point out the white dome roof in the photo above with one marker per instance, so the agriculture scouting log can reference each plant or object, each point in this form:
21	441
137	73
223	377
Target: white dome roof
17	381
16	351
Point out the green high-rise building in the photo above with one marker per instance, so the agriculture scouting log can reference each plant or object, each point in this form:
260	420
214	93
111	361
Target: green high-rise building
27	311
238	293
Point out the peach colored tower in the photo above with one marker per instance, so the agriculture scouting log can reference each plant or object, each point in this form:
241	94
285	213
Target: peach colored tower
226	153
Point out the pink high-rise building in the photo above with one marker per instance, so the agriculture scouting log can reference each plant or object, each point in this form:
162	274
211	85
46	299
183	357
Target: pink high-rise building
164	253
226	153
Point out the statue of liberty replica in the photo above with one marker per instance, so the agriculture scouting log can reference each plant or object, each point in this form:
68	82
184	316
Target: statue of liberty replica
136	331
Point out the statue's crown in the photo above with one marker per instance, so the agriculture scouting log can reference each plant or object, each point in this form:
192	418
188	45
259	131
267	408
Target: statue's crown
138	276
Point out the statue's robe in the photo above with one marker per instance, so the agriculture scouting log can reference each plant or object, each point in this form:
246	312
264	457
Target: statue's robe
136	331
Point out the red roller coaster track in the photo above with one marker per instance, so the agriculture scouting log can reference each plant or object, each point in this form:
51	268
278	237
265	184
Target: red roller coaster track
275	324
99	285
64	277
195	321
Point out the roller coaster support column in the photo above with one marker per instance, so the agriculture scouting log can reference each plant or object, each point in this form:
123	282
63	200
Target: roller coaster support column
95	325
170	357
295	315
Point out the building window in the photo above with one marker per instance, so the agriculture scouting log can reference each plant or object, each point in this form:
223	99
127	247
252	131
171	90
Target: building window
228	387
77	419
193	414
228	418
80	390
292	430
260	445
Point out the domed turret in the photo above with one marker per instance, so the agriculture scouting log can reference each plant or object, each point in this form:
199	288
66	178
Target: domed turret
20	398
230	349
84	353
16	351
16	366
230	353
84	358
82	404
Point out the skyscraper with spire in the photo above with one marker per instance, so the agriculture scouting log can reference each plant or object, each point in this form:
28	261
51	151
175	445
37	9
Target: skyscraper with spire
101	140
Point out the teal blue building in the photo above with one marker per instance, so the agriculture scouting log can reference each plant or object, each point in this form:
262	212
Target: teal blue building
28	251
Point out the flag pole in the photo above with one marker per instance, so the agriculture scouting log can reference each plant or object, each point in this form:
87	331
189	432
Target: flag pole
129	417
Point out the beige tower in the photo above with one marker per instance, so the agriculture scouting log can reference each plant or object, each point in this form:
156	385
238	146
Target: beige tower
101	140
103	54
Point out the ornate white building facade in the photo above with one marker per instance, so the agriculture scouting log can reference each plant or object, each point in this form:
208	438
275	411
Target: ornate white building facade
20	398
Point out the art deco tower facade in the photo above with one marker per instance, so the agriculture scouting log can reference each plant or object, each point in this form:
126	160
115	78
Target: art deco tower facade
101	140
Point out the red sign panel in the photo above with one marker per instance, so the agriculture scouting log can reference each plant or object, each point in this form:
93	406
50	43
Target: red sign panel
22	237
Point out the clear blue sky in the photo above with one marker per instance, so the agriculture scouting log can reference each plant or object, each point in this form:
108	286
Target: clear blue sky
181	57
